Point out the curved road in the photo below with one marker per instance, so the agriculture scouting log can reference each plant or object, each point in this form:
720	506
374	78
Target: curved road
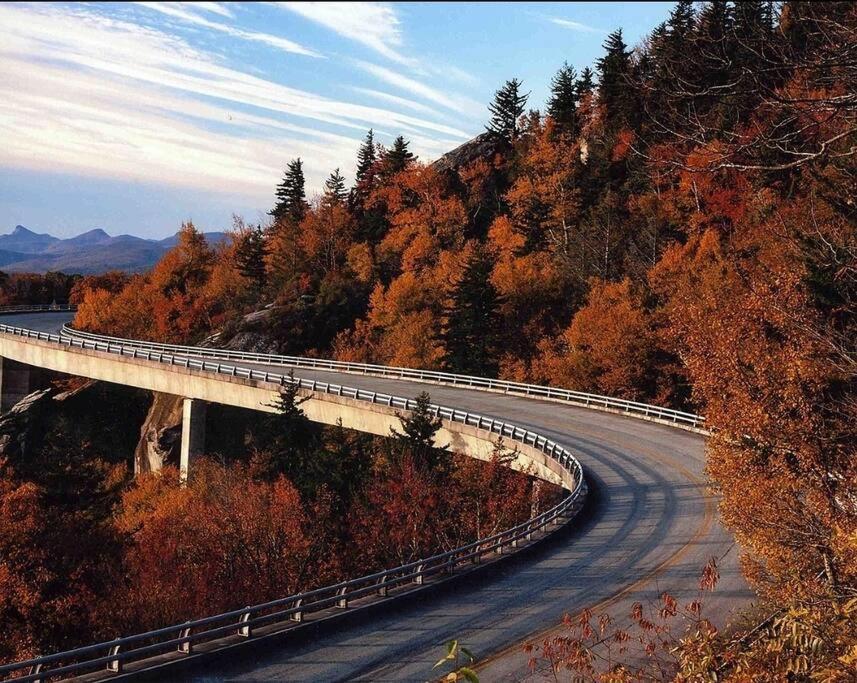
650	526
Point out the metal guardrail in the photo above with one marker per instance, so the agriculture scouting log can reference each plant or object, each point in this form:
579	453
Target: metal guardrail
633	408
113	655
36	308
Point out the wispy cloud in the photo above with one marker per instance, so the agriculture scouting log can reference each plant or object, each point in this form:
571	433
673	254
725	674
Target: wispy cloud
462	105
213	7
373	24
574	25
181	11
101	97
398	101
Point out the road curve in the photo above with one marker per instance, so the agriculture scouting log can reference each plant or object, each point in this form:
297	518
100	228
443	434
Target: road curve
650	525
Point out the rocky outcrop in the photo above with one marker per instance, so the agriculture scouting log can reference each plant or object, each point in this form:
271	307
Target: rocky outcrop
249	334
16	423
160	435
484	147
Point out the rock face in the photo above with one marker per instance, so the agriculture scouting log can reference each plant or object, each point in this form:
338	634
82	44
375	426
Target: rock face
484	146
248	335
160	435
14	424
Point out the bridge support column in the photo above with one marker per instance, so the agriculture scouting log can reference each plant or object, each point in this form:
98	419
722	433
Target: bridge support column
15	383
193	433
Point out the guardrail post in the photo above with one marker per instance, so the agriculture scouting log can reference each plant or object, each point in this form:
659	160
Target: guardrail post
342	603
245	630
35	669
299	615
419	579
382	587
185	646
114	665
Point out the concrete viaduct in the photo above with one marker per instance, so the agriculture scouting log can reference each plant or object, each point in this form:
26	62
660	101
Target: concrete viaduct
648	522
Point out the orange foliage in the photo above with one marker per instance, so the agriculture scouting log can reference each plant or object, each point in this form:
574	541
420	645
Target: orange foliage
608	347
761	363
191	291
424	217
222	542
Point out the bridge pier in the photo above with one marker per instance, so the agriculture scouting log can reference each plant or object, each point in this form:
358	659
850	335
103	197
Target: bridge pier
193	433
15	382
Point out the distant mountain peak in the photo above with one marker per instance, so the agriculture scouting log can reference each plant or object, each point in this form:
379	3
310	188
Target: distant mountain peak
94	251
94	236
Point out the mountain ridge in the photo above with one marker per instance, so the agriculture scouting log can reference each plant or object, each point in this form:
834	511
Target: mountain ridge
90	252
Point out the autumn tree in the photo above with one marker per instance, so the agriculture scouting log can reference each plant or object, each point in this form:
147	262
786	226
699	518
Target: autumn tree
189	557
610	347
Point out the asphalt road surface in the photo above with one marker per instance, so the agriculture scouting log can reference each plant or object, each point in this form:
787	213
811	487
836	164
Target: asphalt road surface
649	526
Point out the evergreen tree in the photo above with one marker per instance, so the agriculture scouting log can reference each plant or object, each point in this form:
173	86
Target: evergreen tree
334	189
367	155
585	83
614	86
418	434
289	441
562	105
678	49
506	109
291	194
470	328
250	257
397	158
712	61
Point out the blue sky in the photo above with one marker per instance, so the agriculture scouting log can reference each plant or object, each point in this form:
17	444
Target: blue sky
133	117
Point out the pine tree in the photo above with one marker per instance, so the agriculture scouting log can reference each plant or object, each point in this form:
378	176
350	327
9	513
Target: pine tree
562	105
418	434
367	155
470	328
712	60
291	194
614	86
678	47
585	83
334	190
250	257
397	158
507	107
290	441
